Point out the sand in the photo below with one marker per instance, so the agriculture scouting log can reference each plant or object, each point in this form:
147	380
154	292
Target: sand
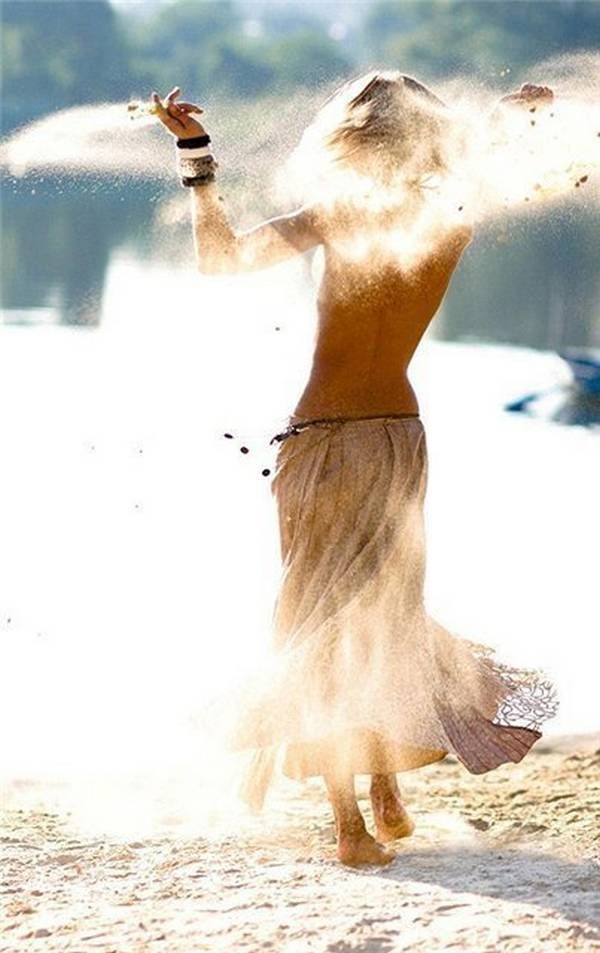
509	861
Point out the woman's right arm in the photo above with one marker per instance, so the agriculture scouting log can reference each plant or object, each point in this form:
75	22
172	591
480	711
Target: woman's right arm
218	247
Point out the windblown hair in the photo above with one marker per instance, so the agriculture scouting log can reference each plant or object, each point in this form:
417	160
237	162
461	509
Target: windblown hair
382	125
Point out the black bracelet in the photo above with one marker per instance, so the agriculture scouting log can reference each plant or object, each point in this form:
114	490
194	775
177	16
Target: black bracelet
195	143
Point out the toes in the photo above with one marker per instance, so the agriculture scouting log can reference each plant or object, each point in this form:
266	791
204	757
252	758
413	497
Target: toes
365	851
394	828
388	834
385	856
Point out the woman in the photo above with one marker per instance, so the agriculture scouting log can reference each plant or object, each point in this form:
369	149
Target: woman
365	682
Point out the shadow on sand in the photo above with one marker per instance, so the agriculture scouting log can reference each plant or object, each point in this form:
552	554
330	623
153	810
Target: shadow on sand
524	876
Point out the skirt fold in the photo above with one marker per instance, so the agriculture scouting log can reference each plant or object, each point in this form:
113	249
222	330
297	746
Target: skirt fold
363	680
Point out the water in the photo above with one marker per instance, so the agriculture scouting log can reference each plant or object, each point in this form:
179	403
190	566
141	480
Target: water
81	183
139	555
536	285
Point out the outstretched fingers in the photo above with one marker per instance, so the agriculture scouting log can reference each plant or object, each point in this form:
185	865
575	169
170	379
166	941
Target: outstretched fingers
179	110
190	107
177	116
167	114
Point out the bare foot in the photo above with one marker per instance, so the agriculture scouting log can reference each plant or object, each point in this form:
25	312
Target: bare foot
392	820
393	824
354	850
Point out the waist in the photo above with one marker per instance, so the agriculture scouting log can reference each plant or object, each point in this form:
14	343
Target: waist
297	425
345	393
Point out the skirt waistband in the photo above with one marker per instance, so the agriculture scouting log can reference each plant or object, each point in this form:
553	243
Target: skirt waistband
296	428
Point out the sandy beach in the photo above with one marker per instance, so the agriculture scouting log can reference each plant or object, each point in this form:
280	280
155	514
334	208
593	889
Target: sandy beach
181	583
507	861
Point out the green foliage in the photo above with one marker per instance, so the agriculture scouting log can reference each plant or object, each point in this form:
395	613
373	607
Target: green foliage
178	43
442	37
61	51
305	58
202	48
235	69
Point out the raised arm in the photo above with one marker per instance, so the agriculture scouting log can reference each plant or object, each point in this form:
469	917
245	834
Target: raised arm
528	97
219	248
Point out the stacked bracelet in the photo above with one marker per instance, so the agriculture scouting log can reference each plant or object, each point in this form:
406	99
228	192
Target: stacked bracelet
195	163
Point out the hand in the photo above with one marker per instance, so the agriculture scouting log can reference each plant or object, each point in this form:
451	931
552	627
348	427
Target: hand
176	116
531	96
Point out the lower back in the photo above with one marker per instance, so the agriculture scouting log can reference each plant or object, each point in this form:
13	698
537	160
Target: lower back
370	324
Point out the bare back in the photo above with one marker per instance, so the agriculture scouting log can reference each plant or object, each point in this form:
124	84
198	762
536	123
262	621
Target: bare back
373	310
385	275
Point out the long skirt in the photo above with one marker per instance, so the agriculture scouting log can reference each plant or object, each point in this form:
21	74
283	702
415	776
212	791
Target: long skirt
363	680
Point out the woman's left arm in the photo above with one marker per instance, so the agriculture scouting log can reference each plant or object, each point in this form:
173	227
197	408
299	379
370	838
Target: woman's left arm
222	250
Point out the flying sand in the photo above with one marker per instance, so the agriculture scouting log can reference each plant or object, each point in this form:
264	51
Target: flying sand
362	680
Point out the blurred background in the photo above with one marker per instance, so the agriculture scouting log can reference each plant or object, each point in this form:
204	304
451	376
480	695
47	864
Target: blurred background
138	553
246	62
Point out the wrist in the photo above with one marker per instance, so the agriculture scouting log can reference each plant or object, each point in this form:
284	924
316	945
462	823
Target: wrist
193	142
196	164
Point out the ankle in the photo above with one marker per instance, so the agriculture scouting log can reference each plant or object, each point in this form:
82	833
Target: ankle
384	787
350	828
379	785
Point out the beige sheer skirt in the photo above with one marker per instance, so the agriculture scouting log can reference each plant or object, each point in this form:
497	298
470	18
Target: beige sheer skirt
363	681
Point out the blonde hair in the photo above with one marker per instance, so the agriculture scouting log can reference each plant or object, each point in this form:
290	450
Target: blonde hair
382	126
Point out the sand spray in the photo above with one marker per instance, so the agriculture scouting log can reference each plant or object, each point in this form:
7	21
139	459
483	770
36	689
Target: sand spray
529	162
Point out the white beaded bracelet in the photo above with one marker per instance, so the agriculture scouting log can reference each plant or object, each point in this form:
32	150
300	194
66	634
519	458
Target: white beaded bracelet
195	162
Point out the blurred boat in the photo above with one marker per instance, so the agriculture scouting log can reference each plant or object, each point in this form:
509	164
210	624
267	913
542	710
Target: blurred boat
576	402
585	367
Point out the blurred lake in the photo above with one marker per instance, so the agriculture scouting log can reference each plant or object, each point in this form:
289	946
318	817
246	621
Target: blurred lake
530	281
139	557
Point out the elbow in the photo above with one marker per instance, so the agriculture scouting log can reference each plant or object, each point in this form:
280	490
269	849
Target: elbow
220	261
206	266
211	267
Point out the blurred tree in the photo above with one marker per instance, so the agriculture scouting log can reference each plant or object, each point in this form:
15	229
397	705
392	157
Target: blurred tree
285	20
175	45
203	48
237	68
61	51
441	37
306	58
57	53
532	282
56	245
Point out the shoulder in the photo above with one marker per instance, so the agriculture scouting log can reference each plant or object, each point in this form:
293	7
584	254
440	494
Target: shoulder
304	224
305	216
